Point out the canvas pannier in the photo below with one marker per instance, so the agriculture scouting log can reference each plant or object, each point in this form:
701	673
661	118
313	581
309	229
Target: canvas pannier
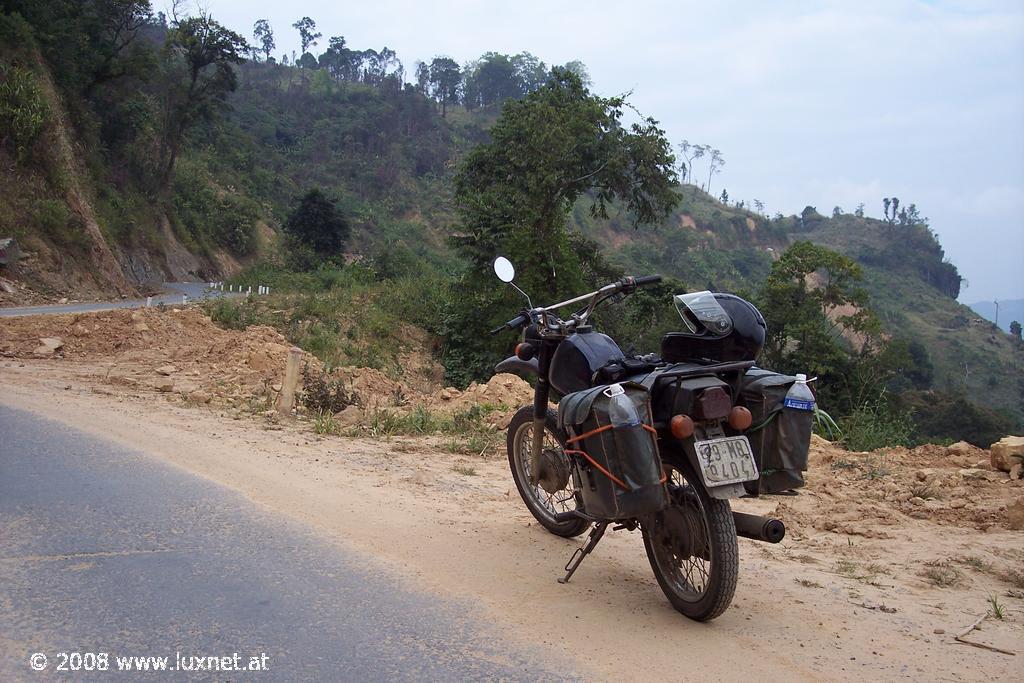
616	470
780	437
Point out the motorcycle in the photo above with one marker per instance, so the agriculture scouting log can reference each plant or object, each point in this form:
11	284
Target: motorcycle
689	530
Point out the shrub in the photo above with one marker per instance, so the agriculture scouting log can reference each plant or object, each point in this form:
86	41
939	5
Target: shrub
325	394
875	424
23	111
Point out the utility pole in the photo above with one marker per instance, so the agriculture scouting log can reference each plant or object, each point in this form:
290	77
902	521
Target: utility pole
996	302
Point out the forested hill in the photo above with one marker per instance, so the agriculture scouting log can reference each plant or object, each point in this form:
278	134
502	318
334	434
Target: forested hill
143	148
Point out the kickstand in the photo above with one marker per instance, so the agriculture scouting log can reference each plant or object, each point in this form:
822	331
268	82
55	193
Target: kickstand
577	557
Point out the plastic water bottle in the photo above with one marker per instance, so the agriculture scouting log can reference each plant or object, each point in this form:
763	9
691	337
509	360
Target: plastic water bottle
799	396
621	410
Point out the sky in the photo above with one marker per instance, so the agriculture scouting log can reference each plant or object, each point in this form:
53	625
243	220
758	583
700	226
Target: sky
823	103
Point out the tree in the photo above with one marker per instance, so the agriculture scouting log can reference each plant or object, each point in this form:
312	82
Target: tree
316	223
422	78
715	166
513	195
886	202
198	60
837	211
445	77
818	316
264	36
724	197
1015	331
759	206
307	33
859	211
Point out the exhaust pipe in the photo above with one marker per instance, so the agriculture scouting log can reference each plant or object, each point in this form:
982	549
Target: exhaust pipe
759	528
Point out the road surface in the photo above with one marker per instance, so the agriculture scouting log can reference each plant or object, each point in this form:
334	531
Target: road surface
105	550
172	295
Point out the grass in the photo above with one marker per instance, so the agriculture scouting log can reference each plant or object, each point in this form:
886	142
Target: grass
807	583
324	423
865	574
997	608
942	574
464	470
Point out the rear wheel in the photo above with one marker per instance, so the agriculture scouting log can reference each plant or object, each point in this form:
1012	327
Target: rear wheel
554	493
692	547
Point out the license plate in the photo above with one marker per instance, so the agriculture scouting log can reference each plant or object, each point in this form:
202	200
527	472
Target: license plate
727	460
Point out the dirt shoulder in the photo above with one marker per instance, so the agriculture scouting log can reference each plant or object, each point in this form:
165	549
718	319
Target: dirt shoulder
878	594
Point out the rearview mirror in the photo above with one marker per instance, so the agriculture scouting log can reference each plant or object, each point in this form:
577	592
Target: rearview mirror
504	269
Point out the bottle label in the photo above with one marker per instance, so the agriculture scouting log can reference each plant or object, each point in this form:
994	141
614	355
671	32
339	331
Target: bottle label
798	404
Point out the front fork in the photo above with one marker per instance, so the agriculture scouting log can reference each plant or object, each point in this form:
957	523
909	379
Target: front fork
540	409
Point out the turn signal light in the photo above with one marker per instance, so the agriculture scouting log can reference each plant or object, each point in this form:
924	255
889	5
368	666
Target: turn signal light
524	351
740	418
682	426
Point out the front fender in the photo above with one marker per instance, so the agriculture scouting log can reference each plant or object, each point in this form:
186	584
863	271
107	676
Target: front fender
518	366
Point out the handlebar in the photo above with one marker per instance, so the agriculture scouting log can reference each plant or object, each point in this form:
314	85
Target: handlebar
645	280
512	324
627	285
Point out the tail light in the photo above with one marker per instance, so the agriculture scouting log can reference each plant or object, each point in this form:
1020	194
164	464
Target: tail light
714	403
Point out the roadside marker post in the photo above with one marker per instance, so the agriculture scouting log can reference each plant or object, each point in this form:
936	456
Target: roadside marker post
149	301
291	380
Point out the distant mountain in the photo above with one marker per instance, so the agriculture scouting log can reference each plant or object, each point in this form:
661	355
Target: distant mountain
1009	310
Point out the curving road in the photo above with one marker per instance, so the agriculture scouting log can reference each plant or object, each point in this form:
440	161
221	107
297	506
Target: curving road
173	293
106	550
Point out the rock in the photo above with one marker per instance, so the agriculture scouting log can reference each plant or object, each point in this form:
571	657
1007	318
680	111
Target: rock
916	500
976	474
1015	515
1017	471
958	503
921	475
47	346
166	370
199	396
164	385
79	330
349	417
62	300
140	327
1007	452
448	393
960	448
939	631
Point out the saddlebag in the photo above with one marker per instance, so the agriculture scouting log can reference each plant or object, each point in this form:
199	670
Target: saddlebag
780	437
617	471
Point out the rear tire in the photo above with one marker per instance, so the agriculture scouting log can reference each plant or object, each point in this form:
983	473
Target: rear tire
692	547
542	504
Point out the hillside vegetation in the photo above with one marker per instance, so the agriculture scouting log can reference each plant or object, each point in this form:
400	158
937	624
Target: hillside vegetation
137	153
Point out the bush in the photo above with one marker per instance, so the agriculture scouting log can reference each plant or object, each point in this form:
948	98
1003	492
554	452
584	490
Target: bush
23	111
325	394
874	425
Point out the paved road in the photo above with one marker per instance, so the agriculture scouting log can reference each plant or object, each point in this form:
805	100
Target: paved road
173	293
107	550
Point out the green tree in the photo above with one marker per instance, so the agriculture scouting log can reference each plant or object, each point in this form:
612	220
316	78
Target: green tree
818	319
198	68
445	78
1015	331
514	194
264	36
317	224
308	34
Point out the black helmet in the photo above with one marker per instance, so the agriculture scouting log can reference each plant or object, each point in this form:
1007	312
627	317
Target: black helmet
721	327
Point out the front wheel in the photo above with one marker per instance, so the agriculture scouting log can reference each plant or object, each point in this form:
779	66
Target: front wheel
554	493
692	547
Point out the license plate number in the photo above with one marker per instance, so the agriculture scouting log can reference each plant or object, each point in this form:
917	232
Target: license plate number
727	460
